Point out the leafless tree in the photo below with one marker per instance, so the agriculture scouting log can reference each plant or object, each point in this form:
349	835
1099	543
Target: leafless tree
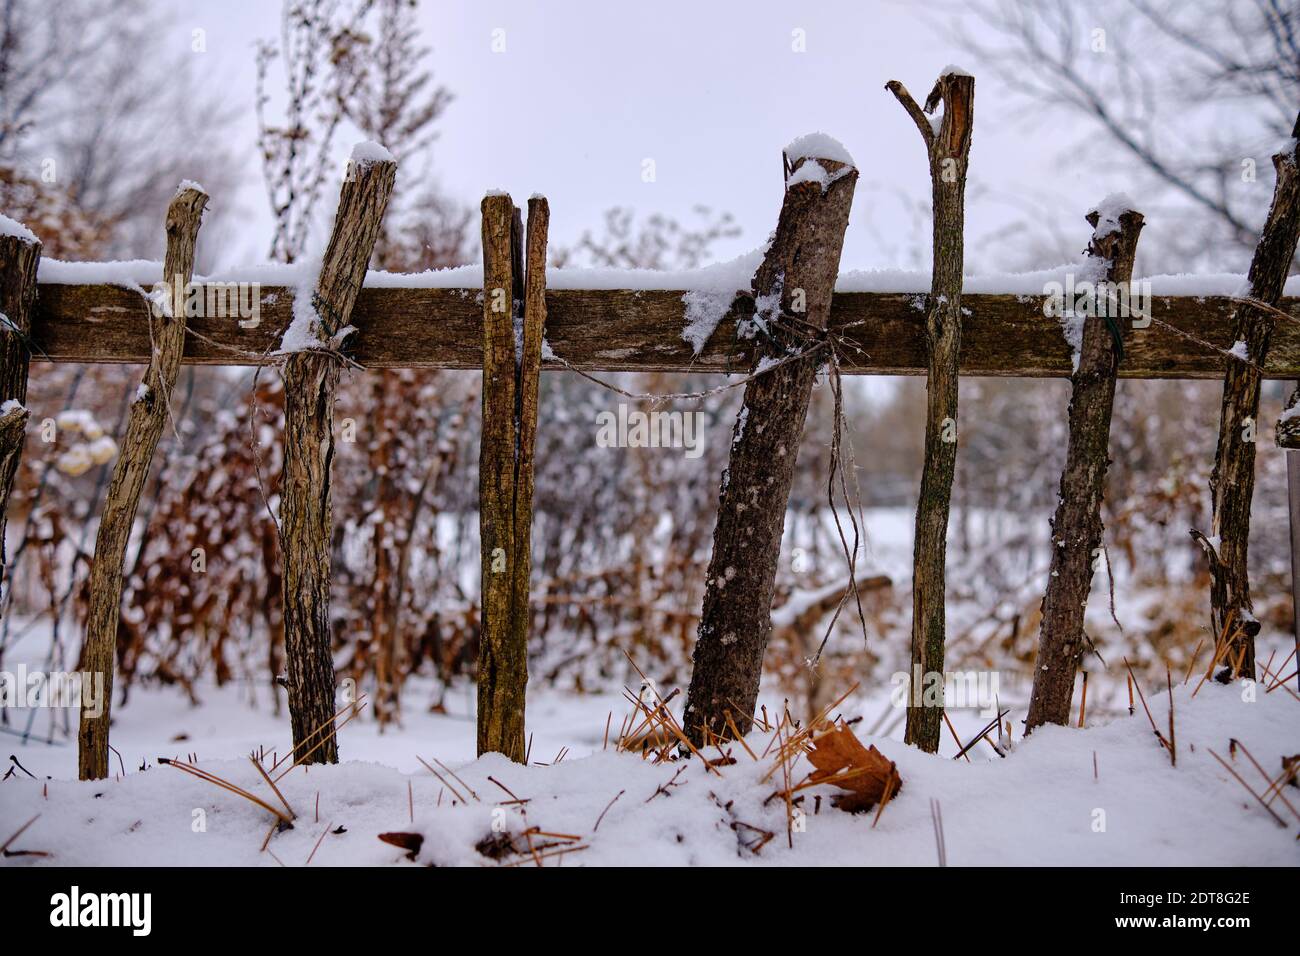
320	49
1193	94
98	106
396	103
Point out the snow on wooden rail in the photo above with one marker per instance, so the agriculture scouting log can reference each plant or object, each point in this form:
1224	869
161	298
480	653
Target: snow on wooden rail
641	330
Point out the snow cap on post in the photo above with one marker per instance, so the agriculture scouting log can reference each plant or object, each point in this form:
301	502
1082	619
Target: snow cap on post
1105	216
189	185
365	153
816	158
818	146
12	227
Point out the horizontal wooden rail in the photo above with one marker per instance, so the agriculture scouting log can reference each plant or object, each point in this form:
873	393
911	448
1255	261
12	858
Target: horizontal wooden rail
626	330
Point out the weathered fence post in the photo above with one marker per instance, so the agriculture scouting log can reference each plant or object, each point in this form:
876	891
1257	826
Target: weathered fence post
311	373
1288	439
20	256
512	358
1232	482
792	292
1076	526
948	150
149	413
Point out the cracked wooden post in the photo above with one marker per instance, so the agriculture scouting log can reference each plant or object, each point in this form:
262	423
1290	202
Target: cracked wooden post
1232	482
1076	526
512	359
948	151
149	413
311	373
20	256
792	293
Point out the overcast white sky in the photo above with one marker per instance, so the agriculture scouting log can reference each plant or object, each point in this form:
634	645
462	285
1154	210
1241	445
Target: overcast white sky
711	91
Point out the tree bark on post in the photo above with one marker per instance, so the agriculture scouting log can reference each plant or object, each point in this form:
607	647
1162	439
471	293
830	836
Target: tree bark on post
948	151
1232	482
1076	526
20	256
792	293
311	374
512	360
148	415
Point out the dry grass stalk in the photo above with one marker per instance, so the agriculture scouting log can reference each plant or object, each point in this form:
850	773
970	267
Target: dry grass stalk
1221	647
1258	798
663	787
1281	681
442	780
319	841
1288	660
1142	697
798	742
737	736
606	810
885	798
284	816
271	783
1234	745
661	716
1173	739
994	724
1278	683
355	708
547	855
1192	664
953	730
4	847
504	789
784	754
764	836
936	818
459	780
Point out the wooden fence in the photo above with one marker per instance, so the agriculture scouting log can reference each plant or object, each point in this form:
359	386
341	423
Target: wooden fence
640	331
803	324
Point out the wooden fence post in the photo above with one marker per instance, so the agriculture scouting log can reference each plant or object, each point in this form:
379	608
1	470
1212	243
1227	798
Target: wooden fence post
149	413
512	358
20	256
1232	482
792	292
311	373
1076	526
948	151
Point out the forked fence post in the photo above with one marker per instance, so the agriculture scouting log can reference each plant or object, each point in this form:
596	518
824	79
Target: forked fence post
311	374
1232	482
792	292
948	152
512	360
150	410
20	257
1076	526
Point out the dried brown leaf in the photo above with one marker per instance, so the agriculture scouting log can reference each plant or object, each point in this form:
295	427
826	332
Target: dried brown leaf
863	772
410	842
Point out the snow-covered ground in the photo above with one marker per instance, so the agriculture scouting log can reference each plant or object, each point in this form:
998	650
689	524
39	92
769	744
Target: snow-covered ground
1105	794
1101	795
